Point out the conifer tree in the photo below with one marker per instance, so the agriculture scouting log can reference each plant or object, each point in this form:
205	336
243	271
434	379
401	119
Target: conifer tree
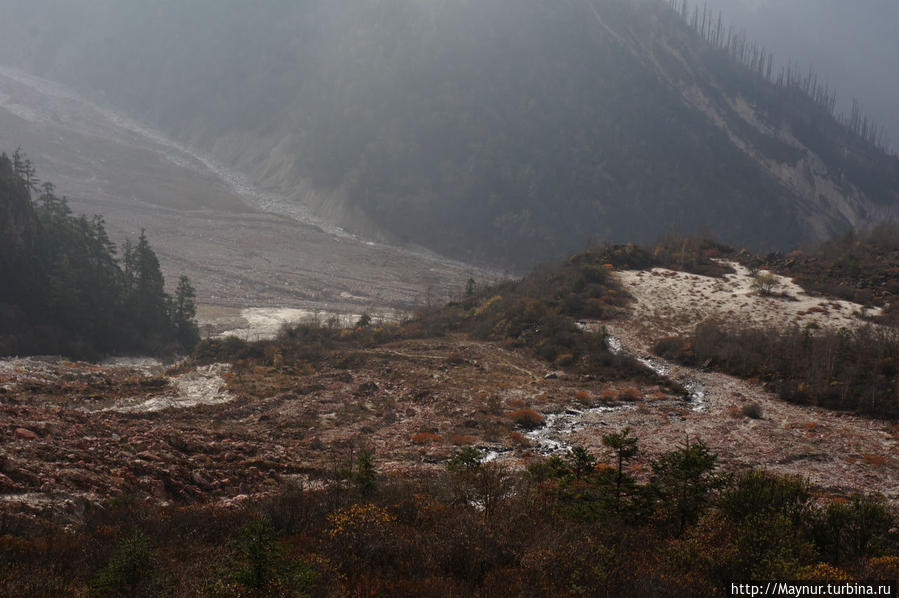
184	313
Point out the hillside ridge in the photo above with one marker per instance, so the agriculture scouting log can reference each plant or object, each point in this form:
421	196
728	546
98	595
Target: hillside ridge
479	130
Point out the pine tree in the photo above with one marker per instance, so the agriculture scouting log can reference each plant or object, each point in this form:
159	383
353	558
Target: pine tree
148	295
625	447
184	312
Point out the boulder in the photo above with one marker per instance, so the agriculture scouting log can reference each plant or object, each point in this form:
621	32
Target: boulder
25	434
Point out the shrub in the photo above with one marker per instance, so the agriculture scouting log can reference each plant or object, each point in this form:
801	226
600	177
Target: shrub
527	419
608	396
494	302
752	411
466	458
461	439
128	566
629	394
456	358
259	554
758	492
765	282
364	474
850	370
593	274
425	438
519	439
683	481
564	360
857	528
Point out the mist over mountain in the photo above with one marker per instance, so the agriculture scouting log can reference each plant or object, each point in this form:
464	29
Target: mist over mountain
483	130
852	44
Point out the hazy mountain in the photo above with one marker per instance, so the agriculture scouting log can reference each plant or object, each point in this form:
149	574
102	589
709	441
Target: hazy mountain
507	131
853	44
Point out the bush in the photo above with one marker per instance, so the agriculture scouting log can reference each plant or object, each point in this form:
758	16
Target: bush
475	529
765	282
759	492
466	458
364	475
259	553
752	411
527	419
425	438
262	566
128	567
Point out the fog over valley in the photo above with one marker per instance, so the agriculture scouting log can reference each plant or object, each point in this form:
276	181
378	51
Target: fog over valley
489	133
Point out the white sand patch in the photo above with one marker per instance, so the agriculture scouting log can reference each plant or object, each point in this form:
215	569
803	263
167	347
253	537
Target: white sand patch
203	386
15	370
264	323
149	366
671	302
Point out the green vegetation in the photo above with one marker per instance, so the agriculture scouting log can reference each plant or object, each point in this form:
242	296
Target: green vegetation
364	477
625	447
128	569
476	529
261	567
765	283
539	313
63	290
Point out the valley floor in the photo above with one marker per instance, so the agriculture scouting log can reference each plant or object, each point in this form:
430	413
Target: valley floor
76	432
242	246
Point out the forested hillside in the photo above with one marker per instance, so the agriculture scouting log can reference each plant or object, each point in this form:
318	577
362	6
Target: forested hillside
512	133
63	290
853	40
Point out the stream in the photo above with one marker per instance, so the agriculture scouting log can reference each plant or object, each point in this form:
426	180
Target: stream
553	438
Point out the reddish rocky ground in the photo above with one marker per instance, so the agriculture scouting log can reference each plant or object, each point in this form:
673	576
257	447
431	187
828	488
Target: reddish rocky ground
74	433
71	434
66	441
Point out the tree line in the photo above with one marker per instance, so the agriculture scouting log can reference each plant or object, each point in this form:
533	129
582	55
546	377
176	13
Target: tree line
792	77
854	370
69	290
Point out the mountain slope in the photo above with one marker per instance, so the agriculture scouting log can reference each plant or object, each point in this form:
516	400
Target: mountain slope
479	129
854	41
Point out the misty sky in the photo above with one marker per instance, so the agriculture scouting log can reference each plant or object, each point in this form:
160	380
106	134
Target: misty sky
853	44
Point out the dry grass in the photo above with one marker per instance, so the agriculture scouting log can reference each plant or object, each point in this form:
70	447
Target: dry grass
461	439
629	394
874	460
527	418
424	438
